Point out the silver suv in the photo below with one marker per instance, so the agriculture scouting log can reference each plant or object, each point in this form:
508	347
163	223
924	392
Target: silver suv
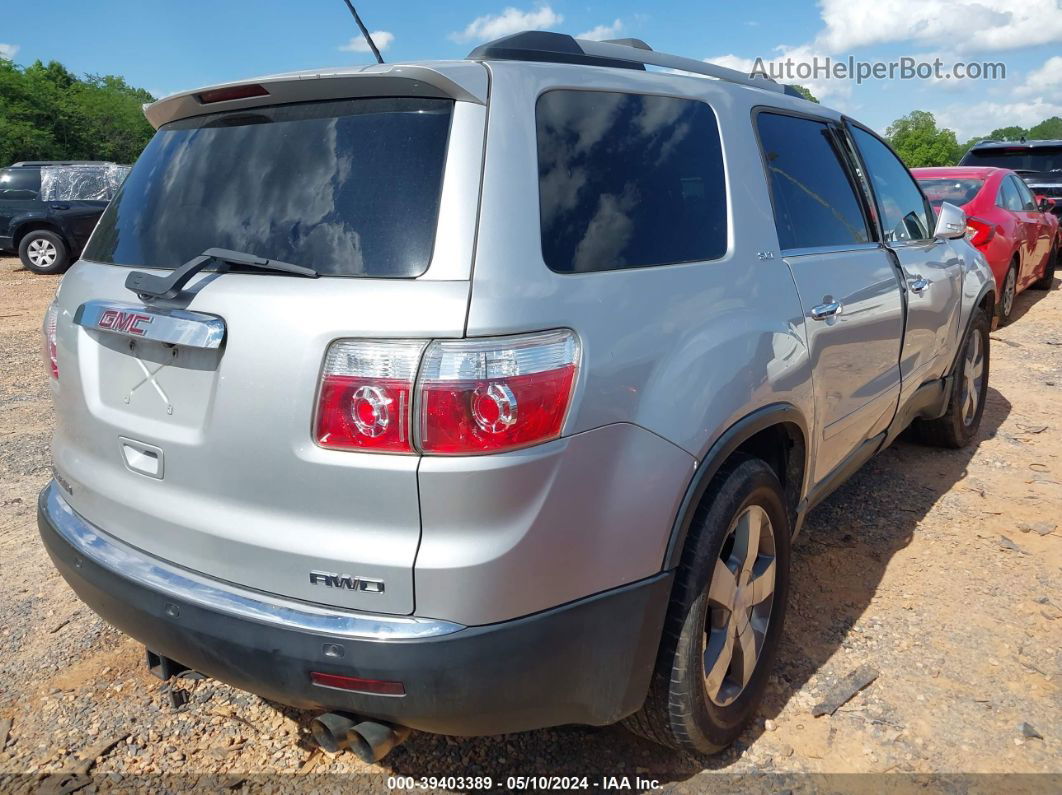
481	396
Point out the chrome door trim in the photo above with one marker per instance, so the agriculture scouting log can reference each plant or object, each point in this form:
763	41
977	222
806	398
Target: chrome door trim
173	326
129	563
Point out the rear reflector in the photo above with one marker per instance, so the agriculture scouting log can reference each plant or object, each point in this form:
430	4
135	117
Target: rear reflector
366	395
356	684
232	92
490	395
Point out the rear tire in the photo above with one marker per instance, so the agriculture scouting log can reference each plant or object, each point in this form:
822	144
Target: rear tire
685	709
959	424
1047	281
44	252
1008	294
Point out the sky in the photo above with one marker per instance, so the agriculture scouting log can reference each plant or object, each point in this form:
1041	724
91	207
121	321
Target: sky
166	47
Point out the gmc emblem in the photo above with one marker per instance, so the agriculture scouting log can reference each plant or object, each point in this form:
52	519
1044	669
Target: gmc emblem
331	580
126	322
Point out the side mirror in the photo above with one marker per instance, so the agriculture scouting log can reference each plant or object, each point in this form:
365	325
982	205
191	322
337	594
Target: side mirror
951	222
1043	203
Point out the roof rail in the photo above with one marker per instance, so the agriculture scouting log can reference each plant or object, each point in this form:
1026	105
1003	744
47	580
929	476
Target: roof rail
538	45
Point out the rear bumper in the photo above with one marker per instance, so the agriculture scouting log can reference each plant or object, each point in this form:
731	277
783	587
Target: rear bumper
586	662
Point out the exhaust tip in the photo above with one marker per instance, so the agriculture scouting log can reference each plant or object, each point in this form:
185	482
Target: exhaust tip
331	731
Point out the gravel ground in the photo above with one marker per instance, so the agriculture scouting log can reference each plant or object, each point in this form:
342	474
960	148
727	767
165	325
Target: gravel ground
940	569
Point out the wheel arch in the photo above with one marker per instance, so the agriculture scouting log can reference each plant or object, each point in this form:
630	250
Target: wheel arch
33	225
777	434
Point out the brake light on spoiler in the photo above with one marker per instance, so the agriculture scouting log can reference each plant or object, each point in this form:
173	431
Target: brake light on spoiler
447	397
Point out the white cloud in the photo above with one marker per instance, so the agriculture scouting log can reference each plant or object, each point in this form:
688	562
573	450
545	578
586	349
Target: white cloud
1045	81
511	20
834	90
8	51
602	32
970	119
959	25
382	38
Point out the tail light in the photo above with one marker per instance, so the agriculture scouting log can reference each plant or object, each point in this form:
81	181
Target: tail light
51	319
979	231
485	396
367	394
472	396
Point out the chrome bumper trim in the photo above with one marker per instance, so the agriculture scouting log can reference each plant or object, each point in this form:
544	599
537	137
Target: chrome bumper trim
129	563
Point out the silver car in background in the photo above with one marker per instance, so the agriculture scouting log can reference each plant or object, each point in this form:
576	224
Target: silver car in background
482	396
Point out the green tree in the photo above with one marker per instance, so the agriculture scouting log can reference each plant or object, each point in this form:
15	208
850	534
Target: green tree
919	142
1048	128
48	113
1012	133
806	94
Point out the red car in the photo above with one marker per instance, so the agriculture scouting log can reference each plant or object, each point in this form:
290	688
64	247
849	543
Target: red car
1005	222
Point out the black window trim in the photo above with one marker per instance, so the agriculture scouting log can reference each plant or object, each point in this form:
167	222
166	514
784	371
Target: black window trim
727	252
833	125
851	123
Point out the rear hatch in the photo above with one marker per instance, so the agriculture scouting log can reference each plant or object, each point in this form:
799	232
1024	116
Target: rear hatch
186	426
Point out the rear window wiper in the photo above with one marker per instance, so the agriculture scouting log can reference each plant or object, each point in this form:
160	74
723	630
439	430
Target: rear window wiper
147	285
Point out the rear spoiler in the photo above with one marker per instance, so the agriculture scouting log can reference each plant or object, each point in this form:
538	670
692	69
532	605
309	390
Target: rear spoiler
461	80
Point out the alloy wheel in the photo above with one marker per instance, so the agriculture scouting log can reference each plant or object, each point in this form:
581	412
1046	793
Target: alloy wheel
740	598
42	253
1008	292
973	373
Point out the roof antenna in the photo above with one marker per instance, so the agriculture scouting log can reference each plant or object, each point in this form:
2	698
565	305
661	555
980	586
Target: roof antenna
365	32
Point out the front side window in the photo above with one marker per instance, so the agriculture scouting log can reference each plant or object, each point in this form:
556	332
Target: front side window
348	188
900	202
628	181
815	202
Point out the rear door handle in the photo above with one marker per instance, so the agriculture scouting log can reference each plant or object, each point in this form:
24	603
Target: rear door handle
60	206
824	311
919	284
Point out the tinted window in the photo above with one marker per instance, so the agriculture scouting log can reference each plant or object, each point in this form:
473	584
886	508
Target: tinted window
1008	196
900	202
1038	158
350	188
954	191
815	202
627	180
1024	194
20	183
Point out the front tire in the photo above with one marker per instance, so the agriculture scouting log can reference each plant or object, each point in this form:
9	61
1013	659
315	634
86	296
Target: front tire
44	252
966	403
727	611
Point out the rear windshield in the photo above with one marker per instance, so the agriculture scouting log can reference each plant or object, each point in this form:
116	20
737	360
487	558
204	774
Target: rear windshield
349	188
1042	158
954	191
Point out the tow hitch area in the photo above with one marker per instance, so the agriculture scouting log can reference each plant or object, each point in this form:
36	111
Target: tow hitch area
163	667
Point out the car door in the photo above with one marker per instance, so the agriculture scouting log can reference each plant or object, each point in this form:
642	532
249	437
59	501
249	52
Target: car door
931	267
848	287
1037	232
1024	237
19	189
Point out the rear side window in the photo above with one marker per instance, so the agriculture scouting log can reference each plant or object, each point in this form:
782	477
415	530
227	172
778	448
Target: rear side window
1008	196
349	188
815	202
20	183
628	180
900	201
1024	195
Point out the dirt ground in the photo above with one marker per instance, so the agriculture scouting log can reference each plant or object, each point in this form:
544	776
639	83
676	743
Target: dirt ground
941	569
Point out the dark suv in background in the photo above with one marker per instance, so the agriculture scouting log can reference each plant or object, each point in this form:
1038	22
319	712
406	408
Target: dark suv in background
49	228
1039	163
